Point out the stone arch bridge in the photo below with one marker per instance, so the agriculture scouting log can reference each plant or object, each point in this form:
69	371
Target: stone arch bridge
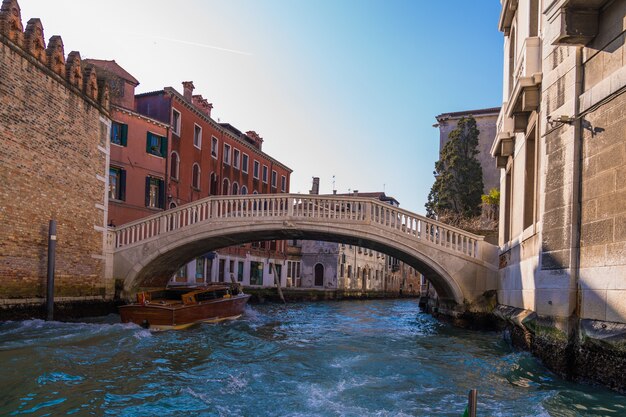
460	265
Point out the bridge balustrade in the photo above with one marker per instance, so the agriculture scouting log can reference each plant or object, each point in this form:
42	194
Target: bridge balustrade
332	209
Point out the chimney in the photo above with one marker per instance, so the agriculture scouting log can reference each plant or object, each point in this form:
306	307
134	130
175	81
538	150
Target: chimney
356	193
255	138
315	189
188	90
202	104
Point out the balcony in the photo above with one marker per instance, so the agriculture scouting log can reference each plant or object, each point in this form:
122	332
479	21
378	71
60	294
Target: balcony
577	21
504	142
525	95
509	7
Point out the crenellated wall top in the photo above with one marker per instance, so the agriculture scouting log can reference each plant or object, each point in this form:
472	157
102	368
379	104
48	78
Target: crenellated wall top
32	42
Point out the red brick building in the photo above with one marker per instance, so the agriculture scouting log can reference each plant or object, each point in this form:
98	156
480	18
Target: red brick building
207	158
138	153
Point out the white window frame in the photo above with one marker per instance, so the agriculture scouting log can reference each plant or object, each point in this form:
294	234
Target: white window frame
197	128
256	169
177	165
283	183
176	126
215	147
236	158
265	174
274	179
243	187
227	150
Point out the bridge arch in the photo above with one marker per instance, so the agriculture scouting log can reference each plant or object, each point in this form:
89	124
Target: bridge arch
460	266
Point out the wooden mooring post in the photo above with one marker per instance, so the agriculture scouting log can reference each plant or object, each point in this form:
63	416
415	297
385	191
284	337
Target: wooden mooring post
472	401
52	245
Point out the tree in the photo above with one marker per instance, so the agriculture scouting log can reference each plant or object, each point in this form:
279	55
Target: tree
458	183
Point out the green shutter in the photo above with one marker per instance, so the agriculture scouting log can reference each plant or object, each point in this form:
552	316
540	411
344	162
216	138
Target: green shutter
124	135
163	146
148	149
147	191
161	194
122	191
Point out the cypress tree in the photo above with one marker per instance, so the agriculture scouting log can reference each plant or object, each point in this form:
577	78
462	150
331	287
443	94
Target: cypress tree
458	183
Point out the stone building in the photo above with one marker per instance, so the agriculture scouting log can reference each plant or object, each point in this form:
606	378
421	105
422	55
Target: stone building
486	124
339	266
561	149
54	127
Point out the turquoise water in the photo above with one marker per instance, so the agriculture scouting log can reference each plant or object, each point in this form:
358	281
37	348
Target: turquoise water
370	358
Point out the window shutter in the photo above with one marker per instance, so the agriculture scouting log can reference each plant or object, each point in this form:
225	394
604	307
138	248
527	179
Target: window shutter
163	146
147	191
124	135
148	143
161	194
122	192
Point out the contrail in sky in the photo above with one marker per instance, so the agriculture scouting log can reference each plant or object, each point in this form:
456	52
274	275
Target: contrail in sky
202	45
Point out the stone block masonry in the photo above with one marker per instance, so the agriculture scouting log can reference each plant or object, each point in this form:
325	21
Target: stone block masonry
53	165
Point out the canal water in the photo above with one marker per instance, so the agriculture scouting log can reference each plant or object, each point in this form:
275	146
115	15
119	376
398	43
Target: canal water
354	358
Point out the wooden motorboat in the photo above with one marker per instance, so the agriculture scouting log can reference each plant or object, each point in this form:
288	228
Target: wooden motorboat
181	307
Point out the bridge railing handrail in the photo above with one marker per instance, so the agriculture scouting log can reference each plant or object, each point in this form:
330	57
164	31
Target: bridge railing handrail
361	209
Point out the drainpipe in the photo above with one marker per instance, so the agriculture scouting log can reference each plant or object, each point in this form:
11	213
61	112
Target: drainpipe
576	219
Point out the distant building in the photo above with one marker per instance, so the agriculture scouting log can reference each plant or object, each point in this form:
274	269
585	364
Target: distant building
329	265
486	122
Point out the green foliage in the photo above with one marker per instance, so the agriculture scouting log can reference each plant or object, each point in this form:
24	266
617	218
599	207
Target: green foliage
493	198
458	183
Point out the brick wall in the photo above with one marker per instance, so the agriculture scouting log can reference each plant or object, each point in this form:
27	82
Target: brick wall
52	166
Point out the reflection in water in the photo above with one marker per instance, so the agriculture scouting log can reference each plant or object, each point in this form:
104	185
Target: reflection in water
370	358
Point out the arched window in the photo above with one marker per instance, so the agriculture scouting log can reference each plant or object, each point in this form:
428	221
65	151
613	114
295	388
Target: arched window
235	188
255	192
512	51
319	275
195	176
244	190
174	165
213	184
225	186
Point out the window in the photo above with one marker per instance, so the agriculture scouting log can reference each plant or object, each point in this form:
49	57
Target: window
214	147
225	186
117	184
274	178
200	269
236	158
244	190
244	163
197	136
119	133
155	192
195	176
240	271
283	183
227	154
255	170
530	184
181	274
264	174
213	184
235	188
256	273
174	165
156	145
176	121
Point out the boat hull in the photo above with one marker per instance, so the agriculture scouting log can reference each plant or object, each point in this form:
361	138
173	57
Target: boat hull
156	316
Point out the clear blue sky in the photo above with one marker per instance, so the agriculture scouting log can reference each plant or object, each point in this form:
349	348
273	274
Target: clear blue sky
348	88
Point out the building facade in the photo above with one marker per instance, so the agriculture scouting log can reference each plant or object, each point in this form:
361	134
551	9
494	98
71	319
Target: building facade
339	266
54	126
205	158
486	123
561	149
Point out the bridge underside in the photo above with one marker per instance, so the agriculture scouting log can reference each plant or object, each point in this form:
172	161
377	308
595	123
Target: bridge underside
154	262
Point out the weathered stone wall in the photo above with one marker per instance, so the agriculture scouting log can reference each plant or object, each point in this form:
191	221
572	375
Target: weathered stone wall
53	163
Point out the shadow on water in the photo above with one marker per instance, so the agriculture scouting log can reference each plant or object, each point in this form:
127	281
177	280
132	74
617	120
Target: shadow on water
362	358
